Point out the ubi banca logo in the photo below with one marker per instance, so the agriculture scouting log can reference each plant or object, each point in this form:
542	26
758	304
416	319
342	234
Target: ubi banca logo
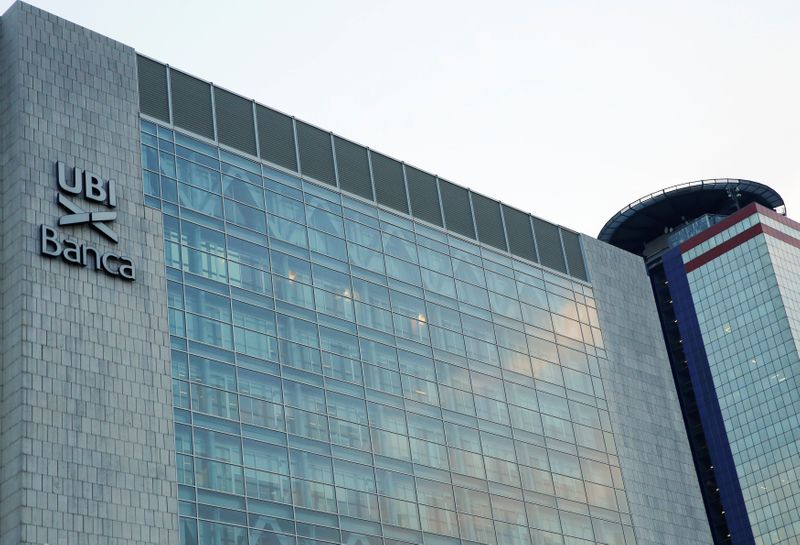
89	186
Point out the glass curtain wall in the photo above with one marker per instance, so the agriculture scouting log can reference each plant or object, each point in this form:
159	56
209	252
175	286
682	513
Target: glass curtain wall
344	374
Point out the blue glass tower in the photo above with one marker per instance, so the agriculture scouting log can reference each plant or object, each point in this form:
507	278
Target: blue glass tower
725	271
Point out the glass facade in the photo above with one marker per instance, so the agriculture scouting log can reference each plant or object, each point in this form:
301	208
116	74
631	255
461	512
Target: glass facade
746	300
346	374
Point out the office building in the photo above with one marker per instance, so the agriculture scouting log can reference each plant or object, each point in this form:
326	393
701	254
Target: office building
725	268
224	325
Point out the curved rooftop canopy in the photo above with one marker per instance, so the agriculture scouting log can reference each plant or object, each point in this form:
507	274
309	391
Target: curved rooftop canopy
653	215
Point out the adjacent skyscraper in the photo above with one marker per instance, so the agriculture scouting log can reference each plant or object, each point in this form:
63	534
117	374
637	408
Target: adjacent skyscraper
223	325
725	268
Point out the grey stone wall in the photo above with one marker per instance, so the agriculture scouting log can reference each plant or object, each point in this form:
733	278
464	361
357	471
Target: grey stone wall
87	445
655	459
10	409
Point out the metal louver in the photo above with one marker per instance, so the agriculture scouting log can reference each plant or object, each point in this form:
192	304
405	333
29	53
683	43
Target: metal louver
191	104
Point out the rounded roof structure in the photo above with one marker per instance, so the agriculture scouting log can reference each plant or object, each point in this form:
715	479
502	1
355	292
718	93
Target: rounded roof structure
651	216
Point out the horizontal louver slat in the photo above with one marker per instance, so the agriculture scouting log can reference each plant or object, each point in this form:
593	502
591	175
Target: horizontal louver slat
489	222
352	164
153	94
520	236
276	137
457	211
423	195
235	127
390	188
574	253
191	104
316	153
549	244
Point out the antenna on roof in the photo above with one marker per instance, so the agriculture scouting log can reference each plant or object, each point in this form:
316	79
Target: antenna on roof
735	195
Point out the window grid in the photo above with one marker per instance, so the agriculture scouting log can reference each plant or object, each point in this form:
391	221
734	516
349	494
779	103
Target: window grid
475	376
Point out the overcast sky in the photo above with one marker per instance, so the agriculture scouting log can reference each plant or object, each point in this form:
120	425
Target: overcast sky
565	109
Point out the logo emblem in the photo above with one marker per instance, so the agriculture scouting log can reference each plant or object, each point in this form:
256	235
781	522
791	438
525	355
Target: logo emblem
94	189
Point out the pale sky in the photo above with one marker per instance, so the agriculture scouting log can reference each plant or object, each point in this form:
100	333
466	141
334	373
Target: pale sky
565	109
